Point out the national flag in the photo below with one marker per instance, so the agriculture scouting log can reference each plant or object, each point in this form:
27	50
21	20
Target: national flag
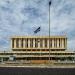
37	30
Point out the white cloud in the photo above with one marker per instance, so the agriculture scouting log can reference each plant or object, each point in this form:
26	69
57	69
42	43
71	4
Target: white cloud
20	17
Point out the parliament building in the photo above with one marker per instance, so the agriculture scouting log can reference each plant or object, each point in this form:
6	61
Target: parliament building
38	50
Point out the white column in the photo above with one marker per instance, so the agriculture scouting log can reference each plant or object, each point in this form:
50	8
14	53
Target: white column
62	43
43	43
14	43
52	43
19	43
48	43
29	43
33	43
58	43
23	43
38	43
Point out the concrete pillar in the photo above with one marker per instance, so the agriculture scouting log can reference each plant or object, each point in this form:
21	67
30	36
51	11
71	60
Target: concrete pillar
19	43
52	43
14	43
48	43
43	43
33	43
66	43
58	43
29	43
23	43
38	41
55	43
62	43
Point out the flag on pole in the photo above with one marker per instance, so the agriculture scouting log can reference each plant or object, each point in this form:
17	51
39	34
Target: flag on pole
37	30
50	2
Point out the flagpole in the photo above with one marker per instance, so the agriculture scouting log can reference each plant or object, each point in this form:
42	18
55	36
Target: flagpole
49	30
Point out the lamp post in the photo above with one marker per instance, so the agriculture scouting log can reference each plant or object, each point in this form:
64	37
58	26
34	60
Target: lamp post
49	29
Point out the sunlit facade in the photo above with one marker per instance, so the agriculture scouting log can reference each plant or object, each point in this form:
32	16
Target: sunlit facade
37	49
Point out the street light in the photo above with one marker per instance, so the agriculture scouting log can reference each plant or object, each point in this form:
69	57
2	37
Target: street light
49	28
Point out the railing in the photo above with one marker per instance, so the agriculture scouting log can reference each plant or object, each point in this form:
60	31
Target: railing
38	48
44	55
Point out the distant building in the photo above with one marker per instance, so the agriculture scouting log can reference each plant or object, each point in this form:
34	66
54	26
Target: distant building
38	49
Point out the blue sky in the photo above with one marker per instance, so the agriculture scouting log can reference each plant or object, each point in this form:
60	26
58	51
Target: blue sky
21	17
